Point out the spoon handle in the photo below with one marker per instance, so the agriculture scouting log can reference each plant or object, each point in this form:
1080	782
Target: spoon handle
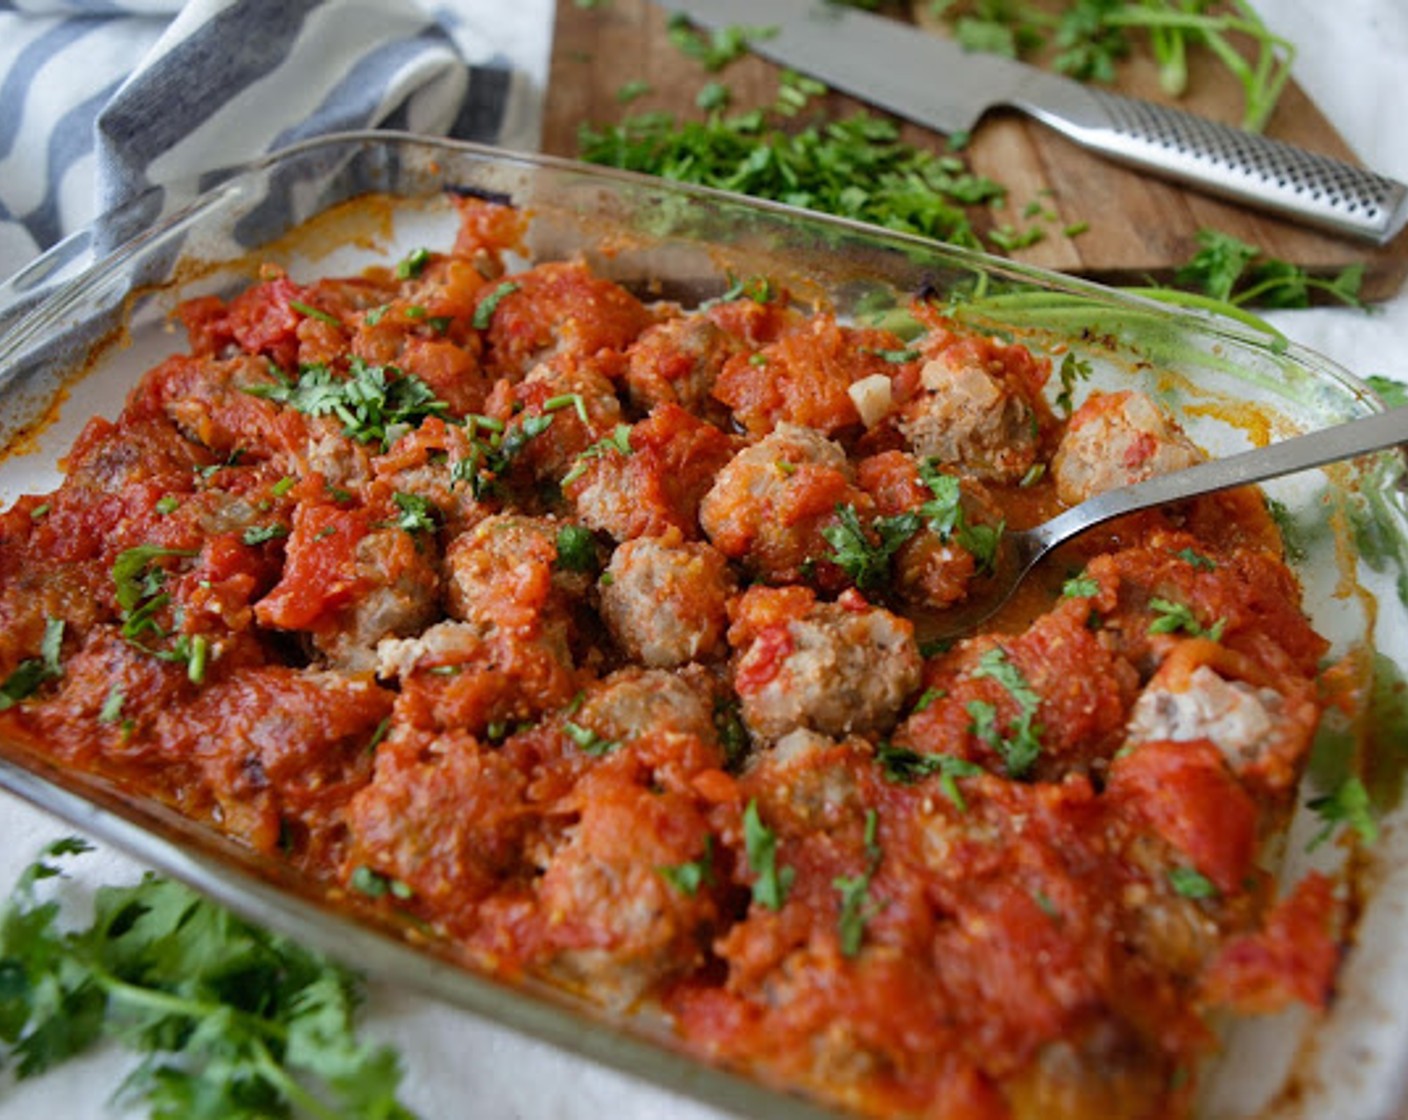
1342	441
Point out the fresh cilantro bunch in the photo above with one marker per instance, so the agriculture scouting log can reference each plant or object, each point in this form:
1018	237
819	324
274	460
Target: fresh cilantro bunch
1229	270
232	1022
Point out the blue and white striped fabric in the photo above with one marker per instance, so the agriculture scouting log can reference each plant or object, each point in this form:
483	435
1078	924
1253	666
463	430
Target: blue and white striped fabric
100	99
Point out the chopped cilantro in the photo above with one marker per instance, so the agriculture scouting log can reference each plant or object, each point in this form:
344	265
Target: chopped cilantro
619	441
258	534
688	877
1020	746
732	731
412	264
588	741
168	504
867	564
112	705
1072	370
1191	883
1173	617
576	549
760	844
945	516
418	514
1080	587
927	697
32	672
713	49
855	892
896	357
373	402
374	884
1197	559
905	767
311	312
484	312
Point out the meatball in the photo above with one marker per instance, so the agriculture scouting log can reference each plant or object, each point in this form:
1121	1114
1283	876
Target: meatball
972	419
635	703
646	480
1255	728
835	669
959	536
400	596
1118	439
616	922
503	573
665	600
767	507
677	362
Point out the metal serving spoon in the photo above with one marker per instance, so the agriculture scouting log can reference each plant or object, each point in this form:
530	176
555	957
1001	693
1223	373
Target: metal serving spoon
1020	551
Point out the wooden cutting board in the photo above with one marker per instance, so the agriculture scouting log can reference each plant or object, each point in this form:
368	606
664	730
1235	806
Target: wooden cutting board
1139	227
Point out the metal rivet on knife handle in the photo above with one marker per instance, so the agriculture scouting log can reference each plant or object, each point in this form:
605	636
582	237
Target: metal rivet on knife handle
1242	166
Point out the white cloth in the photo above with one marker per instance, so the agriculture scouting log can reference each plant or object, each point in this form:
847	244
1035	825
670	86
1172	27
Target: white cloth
458	1066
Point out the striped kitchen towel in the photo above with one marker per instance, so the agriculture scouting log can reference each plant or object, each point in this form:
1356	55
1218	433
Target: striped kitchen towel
100	99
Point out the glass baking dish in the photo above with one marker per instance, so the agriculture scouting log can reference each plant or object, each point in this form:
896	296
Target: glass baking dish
84	321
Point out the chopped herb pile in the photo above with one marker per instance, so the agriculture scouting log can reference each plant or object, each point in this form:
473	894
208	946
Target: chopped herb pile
374	403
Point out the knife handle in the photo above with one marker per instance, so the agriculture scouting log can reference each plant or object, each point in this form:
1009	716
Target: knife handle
1243	166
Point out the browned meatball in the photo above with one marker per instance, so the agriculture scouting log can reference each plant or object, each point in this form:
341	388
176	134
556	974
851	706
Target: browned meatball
664	600
1118	439
504	573
767	507
634	703
972	420
401	596
677	362
618	925
836	669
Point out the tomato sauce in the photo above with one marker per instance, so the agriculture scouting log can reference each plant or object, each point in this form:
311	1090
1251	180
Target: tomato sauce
579	631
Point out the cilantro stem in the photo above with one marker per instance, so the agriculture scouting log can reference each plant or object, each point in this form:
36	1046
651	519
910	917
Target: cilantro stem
160	1000
296	1093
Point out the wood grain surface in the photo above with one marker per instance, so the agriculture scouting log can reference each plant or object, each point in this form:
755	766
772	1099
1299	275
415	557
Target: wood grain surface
1139	227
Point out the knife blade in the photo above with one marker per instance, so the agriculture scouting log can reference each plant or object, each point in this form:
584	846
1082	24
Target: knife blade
936	83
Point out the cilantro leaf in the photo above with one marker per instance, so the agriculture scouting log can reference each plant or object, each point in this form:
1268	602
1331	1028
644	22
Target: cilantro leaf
1020	746
1190	883
867	564
231	1021
688	877
855	892
418	514
1173	617
905	767
588	741
945	516
484	312
618	441
32	672
760	844
576	549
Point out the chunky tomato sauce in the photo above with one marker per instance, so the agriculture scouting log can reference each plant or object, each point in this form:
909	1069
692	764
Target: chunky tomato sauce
583	632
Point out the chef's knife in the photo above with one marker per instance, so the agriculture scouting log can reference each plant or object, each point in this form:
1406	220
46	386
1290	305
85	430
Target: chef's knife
934	82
